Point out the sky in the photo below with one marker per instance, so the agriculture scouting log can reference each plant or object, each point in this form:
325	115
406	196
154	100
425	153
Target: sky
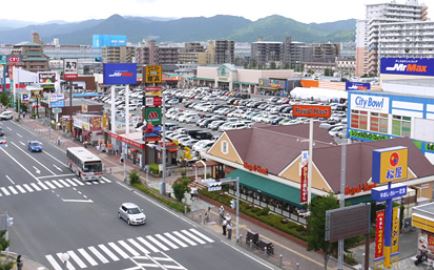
306	11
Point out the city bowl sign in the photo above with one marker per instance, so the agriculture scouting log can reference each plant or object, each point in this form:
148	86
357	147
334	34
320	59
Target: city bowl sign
389	164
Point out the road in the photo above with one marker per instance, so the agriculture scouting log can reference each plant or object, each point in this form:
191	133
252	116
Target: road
55	213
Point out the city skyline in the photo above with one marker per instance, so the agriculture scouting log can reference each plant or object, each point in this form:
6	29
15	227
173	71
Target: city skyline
85	10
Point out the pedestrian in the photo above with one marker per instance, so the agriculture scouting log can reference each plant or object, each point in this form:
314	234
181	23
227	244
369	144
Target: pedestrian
229	229
206	219
221	213
19	263
58	140
224	224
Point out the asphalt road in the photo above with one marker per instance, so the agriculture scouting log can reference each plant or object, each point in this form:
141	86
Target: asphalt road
54	213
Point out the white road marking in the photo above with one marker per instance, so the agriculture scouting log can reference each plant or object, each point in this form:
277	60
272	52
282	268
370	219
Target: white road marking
59	169
87	257
118	250
49	184
9	128
176	240
56	159
53	262
36	170
43	186
68	264
5	191
77	201
146	243
108	252
13	190
155	241
159	236
37	161
19	135
10	179
76	259
22	190
128	248
23	144
78	181
106	179
71	182
64	183
184	238
202	235
55	176
29	189
98	254
138	246
193	237
19	164
35	186
56	184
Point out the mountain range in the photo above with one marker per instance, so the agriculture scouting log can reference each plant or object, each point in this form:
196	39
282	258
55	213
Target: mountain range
272	28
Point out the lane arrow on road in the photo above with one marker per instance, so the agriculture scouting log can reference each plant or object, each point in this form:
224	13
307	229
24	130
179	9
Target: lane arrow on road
59	169
37	170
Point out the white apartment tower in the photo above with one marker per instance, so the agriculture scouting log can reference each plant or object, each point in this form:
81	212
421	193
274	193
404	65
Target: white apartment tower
368	30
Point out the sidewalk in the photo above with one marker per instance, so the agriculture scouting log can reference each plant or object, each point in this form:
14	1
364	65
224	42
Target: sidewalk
288	254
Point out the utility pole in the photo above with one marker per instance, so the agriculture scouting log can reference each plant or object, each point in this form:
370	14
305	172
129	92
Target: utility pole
127	129
342	201
163	184
71	89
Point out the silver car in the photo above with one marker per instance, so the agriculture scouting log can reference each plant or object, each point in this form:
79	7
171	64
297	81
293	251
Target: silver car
132	214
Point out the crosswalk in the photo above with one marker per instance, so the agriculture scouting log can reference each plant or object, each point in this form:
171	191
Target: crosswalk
138	249
48	185
159	260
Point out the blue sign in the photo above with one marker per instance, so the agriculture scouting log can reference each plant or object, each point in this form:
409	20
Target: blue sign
357	86
100	41
86	94
57	104
115	74
408	66
383	193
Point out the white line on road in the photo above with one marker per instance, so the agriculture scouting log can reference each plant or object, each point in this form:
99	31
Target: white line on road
10	179
59	169
24	168
36	170
27	154
19	135
56	159
53	262
23	144
77	201
9	128
55	176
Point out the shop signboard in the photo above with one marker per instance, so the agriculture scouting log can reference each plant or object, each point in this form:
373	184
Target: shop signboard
303	184
371	103
357	86
25	97
13	59
153	115
70	69
56	100
56	110
47	77
347	222
311	111
407	66
152	101
119	73
153	74
395	230
3	59
389	164
384	193
99	41
379	234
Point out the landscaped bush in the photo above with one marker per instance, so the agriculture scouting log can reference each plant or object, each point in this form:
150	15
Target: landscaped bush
134	177
154	168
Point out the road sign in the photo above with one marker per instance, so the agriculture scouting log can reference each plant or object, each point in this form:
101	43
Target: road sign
383	193
311	111
56	110
57	104
154	74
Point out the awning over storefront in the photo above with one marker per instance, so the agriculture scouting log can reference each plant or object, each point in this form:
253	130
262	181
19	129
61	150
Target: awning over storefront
269	187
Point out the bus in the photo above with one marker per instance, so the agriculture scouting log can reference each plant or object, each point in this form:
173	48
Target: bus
84	163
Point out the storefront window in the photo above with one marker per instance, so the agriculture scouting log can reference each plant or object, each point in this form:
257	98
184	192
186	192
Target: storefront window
401	126
378	122
359	119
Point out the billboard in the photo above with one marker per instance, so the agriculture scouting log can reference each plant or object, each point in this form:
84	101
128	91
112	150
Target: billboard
99	41
389	164
311	111
303	184
47	77
407	66
379	234
153	74
357	86
372	103
70	68
153	115
56	100
115	74
395	230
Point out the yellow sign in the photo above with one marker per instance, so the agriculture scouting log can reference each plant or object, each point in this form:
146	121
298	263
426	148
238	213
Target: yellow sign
154	74
104	121
389	164
395	230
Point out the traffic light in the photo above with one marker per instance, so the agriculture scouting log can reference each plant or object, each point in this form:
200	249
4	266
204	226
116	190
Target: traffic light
233	204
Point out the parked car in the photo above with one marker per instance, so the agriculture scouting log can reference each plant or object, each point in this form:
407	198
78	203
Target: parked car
132	214
1	132
215	124
34	146
6	115
202	145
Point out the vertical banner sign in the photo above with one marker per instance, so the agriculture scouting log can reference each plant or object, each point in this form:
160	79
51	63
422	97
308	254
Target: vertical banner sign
153	74
303	184
70	69
395	230
379	234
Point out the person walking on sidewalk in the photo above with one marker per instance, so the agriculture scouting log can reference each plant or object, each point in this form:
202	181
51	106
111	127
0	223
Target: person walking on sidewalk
224	224
221	214
229	229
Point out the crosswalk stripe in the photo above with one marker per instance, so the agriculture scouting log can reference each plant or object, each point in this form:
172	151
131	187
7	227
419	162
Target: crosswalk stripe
128	248
184	238
13	190
202	235
50	185
76	259
64	183
100	182
163	247
138	246
118	250
29	189
172	245
89	183
71	182
20	188
77	181
193	237
105	179
87	257
35	186
43	186
108	252
56	184
173	238
53	262
5	191
98	254
68	265
146	243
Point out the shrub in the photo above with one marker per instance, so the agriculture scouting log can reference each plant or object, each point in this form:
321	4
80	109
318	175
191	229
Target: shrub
154	168
134	177
180	187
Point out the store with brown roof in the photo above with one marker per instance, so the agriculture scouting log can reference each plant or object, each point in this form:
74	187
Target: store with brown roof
267	161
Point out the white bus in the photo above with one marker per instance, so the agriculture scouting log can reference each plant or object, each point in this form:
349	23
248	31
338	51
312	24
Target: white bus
84	163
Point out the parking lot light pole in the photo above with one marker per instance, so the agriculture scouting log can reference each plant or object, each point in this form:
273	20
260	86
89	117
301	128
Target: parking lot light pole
163	183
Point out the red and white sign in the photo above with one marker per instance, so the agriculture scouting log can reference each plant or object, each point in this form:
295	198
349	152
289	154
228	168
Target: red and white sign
311	111
303	184
153	101
153	88
70	69
379	234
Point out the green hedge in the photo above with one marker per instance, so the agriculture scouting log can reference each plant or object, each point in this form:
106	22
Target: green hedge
154	193
261	214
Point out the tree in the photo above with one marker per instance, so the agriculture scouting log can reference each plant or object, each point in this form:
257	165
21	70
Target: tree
180	187
5	263
273	65
134	177
316	226
328	72
4	99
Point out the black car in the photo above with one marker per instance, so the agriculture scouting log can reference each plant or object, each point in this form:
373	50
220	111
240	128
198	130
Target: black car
202	135
1	132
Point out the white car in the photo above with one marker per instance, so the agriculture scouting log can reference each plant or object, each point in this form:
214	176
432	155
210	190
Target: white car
132	214
6	115
202	145
229	126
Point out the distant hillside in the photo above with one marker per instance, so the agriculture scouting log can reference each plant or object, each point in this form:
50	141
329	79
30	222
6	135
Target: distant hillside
185	29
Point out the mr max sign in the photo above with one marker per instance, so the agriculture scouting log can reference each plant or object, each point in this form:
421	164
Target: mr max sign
408	66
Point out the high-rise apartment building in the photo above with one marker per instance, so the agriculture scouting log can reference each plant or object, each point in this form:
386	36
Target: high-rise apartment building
265	52
149	53
368	36
118	54
217	52
190	53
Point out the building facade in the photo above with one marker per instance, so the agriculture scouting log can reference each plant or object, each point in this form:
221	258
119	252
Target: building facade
32	57
190	53
149	53
123	54
263	53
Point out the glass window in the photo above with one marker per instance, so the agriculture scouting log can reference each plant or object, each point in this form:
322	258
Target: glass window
359	119
379	122
224	147
401	126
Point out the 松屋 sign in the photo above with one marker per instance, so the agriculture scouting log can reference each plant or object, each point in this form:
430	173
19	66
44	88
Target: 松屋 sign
389	164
